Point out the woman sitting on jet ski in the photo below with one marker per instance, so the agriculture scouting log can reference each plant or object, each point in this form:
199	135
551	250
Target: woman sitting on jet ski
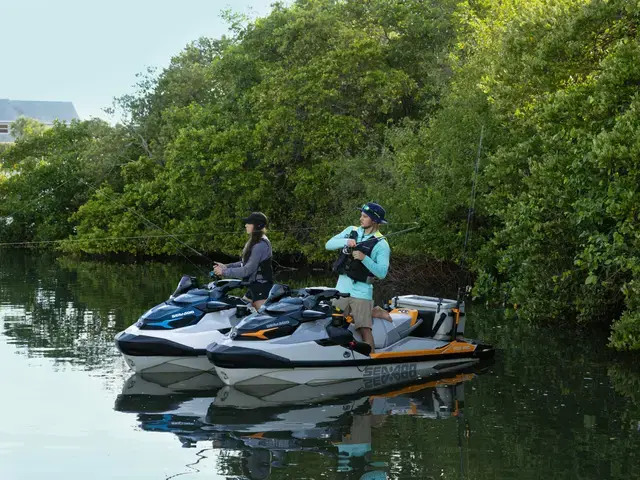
255	267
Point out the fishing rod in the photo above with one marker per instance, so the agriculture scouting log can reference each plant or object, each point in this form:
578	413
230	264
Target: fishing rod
467	238
94	187
171	236
166	234
472	202
51	190
415	227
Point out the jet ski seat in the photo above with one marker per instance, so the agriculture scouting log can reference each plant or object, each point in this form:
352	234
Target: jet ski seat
386	333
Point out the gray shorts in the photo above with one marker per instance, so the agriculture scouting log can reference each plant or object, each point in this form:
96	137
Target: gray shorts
359	308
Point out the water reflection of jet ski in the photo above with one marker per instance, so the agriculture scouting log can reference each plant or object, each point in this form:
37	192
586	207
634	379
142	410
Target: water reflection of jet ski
173	336
292	405
165	384
340	428
297	338
186	394
295	418
171	402
166	403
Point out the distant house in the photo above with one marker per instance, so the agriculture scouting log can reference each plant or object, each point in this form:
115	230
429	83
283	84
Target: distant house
45	112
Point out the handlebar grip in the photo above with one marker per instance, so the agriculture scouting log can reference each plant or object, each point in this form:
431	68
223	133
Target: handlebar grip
343	295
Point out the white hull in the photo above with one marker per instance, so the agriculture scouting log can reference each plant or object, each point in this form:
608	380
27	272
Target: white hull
158	364
373	376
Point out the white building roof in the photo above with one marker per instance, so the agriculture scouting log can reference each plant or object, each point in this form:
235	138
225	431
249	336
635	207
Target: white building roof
45	112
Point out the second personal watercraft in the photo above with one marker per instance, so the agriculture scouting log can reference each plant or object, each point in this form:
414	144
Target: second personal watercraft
298	337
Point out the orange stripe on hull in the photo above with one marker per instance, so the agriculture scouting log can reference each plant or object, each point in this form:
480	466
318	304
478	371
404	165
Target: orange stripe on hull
449	349
259	333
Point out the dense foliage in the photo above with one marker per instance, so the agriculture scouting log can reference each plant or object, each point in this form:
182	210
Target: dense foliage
326	104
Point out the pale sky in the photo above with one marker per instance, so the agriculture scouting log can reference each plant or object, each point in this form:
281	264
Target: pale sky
88	51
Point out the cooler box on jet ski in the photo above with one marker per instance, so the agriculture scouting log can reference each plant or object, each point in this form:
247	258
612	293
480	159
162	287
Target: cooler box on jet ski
437	312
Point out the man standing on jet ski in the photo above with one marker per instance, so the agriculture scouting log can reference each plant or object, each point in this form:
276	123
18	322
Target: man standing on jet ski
365	256
256	267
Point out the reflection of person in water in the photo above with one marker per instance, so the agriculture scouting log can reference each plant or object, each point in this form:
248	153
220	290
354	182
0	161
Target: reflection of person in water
354	452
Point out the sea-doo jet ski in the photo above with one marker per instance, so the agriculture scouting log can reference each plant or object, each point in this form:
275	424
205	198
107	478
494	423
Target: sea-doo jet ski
173	336
299	338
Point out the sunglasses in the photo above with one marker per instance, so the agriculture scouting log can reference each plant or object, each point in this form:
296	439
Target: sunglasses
366	208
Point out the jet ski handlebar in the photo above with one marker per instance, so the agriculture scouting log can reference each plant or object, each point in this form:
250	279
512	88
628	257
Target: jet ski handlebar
313	297
320	293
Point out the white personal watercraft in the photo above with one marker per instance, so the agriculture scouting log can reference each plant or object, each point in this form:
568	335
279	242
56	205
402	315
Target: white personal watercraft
173	336
299	338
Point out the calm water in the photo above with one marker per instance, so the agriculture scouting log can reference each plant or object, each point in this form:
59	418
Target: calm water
553	405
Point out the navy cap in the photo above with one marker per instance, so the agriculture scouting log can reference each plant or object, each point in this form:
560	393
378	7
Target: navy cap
258	219
374	211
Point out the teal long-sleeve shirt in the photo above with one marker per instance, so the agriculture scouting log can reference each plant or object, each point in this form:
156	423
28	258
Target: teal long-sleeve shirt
377	263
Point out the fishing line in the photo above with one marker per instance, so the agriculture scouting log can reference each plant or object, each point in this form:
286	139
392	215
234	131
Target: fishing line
162	230
139	237
47	192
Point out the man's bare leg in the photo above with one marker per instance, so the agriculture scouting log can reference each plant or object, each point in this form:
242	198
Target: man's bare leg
367	336
258	303
379	312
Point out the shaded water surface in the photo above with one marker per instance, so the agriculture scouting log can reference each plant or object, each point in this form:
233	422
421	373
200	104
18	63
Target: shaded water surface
553	404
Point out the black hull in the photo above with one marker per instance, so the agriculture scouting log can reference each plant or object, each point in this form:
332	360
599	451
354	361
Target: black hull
241	357
143	346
